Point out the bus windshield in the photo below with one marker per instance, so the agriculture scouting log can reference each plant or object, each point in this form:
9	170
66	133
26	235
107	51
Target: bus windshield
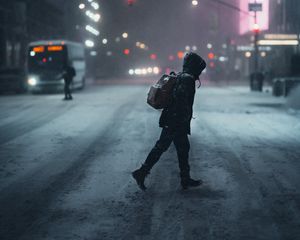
43	58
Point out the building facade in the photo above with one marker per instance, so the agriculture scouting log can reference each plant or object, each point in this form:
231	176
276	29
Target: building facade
22	21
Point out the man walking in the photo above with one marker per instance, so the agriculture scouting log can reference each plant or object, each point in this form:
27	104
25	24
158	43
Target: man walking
175	123
69	74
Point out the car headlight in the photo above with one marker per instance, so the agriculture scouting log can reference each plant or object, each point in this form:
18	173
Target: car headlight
32	81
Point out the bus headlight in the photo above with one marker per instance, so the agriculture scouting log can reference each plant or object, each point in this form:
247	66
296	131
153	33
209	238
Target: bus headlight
32	81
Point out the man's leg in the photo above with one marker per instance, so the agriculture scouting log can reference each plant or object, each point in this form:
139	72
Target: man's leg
66	91
160	147
182	145
69	91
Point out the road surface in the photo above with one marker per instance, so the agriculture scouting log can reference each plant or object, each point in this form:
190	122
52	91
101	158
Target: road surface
65	168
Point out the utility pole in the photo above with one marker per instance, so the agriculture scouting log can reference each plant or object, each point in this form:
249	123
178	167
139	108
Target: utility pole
256	78
256	35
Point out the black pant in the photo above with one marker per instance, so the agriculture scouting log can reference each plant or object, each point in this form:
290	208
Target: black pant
67	89
182	146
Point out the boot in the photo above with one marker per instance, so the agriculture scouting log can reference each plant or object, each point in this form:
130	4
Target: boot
189	182
139	176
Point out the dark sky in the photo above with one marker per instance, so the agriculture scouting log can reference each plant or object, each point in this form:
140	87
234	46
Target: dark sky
166	25
169	24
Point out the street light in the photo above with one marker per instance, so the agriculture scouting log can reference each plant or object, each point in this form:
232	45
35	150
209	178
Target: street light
95	5
89	43
104	41
125	35
92	30
94	16
195	2
187	48
248	54
81	6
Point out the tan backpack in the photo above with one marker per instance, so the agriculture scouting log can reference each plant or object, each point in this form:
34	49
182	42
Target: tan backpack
160	94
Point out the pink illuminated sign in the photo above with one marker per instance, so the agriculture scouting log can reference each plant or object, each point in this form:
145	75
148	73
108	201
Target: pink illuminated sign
247	21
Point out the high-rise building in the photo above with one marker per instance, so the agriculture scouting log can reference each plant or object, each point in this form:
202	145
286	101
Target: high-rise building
285	16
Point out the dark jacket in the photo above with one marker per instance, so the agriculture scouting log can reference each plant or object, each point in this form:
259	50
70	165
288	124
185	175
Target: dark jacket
177	116
69	74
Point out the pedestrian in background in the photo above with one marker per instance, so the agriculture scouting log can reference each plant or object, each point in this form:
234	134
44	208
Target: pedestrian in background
68	75
175	123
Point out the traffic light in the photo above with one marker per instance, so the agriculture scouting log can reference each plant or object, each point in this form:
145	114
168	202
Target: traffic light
180	54
171	58
211	56
130	2
126	51
256	28
153	56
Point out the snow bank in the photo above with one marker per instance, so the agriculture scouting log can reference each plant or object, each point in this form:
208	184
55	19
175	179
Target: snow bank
293	100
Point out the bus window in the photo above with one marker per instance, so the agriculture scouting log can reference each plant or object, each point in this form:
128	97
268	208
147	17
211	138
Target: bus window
51	57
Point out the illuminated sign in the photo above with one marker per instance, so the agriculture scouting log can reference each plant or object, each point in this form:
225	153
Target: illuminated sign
281	36
249	48
279	42
55	48
39	49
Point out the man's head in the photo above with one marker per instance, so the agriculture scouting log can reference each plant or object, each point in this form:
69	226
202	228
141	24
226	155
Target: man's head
193	64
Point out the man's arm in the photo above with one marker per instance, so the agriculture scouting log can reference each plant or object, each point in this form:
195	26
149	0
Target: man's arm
184	94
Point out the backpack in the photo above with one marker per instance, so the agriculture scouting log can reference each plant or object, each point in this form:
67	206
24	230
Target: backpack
72	72
160	94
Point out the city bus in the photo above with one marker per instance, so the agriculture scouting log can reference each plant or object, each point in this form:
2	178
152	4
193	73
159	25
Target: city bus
46	61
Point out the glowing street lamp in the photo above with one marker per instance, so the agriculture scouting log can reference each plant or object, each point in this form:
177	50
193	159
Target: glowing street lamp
248	54
94	16
81	6
92	30
194	2
89	43
125	35
187	48
104	41
95	5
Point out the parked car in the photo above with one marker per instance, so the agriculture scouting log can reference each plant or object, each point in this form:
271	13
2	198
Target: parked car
12	80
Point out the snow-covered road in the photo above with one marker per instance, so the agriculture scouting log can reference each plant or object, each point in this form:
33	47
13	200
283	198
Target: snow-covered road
65	168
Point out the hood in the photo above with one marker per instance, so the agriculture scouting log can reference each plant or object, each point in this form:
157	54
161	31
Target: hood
193	64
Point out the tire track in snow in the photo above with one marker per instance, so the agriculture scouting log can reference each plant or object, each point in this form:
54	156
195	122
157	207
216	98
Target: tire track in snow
22	217
18	128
